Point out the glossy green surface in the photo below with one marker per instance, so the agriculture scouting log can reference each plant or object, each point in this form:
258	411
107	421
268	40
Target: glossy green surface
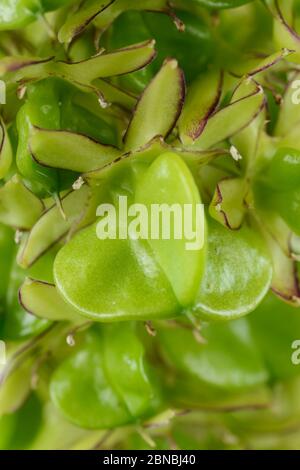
114	388
100	266
238	274
168	181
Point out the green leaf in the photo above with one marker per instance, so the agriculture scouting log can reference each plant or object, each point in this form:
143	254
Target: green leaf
146	154
285	282
228	205
22	425
124	357
114	10
115	95
158	107
283	172
7	248
16	323
247	102
19	207
103	395
284	34
222	371
168	181
269	61
104	65
270	426
77	22
188	31
43	107
202	99
223	3
70	151
228	359
279	239
5	151
248	143
276	326
290	140
287	204
81	74
51	226
238	274
42	300
30	66
87	266
15	387
289	111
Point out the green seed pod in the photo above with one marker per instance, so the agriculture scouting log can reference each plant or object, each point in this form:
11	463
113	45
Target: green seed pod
283	172
108	393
